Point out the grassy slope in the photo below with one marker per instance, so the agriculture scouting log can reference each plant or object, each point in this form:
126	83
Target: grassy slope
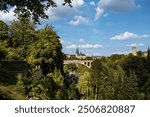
10	89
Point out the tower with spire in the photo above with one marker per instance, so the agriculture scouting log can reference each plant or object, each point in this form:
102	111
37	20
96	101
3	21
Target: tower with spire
79	55
77	51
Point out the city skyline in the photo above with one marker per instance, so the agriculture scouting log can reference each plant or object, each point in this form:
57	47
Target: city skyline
99	27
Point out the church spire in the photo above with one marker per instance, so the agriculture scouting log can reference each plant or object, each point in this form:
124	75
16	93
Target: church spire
77	51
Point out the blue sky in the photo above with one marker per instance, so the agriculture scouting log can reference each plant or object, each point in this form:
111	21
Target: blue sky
99	27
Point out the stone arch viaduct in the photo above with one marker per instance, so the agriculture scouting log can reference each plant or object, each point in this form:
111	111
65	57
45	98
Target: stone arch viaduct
86	63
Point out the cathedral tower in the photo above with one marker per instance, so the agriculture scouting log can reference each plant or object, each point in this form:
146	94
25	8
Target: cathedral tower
134	51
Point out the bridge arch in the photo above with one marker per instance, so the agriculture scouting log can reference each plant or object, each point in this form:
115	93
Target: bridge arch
86	63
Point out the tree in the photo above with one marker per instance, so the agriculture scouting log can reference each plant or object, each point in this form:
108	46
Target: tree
4	30
148	53
71	67
136	64
44	88
147	89
30	8
130	87
22	32
102	80
60	91
139	53
46	51
84	86
50	86
3	52
115	57
126	87
119	75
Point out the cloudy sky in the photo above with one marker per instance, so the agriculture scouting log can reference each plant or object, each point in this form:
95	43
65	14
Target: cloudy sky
99	27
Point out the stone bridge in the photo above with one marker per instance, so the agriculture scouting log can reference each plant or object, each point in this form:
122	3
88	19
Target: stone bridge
86	63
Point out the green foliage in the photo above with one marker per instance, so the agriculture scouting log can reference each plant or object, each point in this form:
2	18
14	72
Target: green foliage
7	78
59	81
136	64
38	47
83	85
115	77
127	88
13	54
22	33
50	86
4	30
11	87
71	67
81	69
71	87
115	57
3	52
10	93
148	53
139	53
147	89
73	91
46	51
30	8
130	87
102	80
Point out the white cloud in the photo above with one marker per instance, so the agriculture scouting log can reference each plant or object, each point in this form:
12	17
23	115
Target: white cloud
54	13
124	36
84	46
117	5
8	16
78	20
89	46
114	5
92	3
81	40
72	46
128	35
99	13
140	44
77	3
135	44
63	11
64	42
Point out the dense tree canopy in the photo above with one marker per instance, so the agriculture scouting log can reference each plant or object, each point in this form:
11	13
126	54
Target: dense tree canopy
38	47
102	80
46	51
4	29
22	32
34	8
115	77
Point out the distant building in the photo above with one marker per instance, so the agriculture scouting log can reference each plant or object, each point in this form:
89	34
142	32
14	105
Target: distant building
77	51
80	55
77	55
71	55
143	54
134	51
96	57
